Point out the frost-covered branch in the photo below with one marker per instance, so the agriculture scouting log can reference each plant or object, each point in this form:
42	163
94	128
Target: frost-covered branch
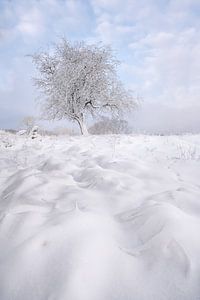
79	79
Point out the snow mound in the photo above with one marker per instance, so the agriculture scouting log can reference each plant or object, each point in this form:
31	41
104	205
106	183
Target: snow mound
112	217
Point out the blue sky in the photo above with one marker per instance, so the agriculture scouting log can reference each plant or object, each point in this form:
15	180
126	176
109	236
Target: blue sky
158	42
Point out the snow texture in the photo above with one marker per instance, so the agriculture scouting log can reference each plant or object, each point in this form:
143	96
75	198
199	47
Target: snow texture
99	218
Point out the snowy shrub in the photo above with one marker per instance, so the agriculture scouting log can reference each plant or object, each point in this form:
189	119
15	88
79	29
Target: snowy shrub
29	122
187	152
110	126
64	131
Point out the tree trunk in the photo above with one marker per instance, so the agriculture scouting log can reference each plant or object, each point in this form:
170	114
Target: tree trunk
82	125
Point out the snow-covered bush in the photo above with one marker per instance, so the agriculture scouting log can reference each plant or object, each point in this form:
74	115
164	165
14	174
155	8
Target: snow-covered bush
64	131
187	152
110	126
29	122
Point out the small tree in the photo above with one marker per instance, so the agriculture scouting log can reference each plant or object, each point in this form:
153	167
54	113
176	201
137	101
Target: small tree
29	123
79	79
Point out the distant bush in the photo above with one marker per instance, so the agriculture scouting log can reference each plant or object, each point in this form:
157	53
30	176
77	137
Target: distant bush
45	132
57	131
64	131
13	131
110	126
28	123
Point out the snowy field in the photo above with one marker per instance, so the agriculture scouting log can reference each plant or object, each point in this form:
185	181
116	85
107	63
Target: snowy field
100	218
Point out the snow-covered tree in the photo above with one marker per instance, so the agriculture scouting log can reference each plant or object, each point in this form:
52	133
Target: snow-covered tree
79	79
29	123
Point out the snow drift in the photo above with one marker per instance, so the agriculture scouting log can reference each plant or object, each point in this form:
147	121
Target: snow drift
107	217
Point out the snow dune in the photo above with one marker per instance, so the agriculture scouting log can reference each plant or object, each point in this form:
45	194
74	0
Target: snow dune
100	218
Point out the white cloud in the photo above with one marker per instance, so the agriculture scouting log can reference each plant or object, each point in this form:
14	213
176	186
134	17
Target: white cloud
30	22
171	65
20	21
165	46
24	19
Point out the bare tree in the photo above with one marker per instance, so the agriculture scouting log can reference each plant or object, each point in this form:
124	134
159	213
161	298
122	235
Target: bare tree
79	79
29	123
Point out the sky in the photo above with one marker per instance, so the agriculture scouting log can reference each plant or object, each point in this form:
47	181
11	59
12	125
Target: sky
157	42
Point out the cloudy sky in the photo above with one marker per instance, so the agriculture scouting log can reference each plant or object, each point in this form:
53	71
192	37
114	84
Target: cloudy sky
158	42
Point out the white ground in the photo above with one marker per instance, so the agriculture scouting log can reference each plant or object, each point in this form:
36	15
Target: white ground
100	218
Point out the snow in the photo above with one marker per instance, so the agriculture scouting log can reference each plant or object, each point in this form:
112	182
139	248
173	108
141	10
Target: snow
100	217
